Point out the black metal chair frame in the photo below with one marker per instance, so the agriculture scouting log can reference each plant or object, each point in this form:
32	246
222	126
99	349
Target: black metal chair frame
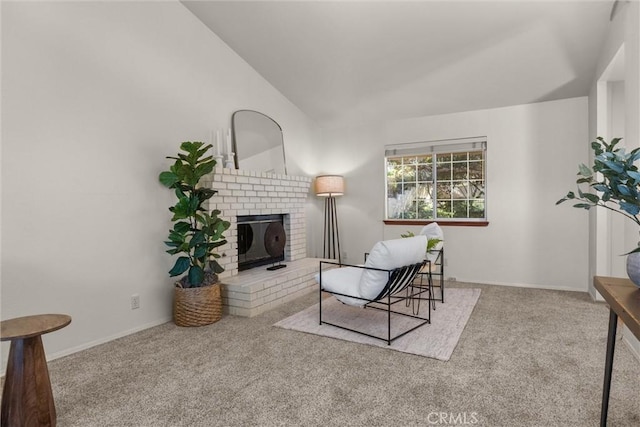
439	262
400	279
430	272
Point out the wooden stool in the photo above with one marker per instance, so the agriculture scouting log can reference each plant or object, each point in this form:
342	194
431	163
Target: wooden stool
27	399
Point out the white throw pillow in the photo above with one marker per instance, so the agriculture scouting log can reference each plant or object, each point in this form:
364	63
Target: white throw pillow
433	231
387	255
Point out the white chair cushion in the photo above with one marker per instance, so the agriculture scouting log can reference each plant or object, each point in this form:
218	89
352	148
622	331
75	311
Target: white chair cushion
344	280
433	231
387	255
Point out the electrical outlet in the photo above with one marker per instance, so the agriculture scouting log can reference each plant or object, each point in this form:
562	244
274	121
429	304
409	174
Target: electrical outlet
135	301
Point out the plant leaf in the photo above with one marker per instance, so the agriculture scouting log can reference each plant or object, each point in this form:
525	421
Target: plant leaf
217	268
614	166
181	265
204	168
635	175
584	170
168	179
586	206
633	251
200	251
196	275
197	238
432	243
630	208
181	227
591	197
623	190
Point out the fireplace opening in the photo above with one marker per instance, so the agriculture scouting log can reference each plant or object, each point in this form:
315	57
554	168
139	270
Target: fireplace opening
261	240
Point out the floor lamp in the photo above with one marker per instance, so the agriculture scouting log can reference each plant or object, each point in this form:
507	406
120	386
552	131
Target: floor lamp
330	186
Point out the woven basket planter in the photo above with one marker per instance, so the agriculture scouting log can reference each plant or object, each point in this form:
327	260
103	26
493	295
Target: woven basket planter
197	306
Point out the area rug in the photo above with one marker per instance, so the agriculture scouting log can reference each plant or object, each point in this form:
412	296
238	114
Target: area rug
436	340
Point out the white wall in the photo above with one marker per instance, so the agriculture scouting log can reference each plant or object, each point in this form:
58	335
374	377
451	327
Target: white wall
617	223
624	31
355	153
94	96
532	158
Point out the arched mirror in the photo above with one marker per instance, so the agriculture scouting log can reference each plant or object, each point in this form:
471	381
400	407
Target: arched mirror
258	142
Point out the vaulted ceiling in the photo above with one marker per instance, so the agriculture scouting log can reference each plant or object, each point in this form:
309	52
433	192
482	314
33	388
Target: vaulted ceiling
368	60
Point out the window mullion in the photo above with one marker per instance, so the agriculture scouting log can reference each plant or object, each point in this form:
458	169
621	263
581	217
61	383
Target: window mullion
434	183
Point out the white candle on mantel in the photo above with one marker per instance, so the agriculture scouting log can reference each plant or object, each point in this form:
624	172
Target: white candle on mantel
229	141
218	143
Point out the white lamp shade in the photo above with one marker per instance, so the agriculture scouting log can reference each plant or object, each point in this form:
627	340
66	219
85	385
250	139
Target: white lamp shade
329	185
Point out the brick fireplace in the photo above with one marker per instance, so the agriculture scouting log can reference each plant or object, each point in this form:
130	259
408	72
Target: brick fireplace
242	193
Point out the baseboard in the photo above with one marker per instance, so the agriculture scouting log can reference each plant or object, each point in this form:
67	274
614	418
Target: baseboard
521	285
595	295
104	340
634	350
59	354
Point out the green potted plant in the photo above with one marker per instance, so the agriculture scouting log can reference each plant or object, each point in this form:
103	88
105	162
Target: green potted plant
616	180
194	236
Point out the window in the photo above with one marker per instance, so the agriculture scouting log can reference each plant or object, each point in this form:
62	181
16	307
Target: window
439	180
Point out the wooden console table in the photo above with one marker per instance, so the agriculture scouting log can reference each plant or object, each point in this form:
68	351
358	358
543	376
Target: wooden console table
27	399
623	298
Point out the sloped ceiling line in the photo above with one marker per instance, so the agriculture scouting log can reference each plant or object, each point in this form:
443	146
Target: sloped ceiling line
371	60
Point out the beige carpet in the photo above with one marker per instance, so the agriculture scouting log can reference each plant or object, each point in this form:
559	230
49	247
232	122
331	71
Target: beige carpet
436	340
527	357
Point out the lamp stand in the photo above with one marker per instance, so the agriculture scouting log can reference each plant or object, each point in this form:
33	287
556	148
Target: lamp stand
331	233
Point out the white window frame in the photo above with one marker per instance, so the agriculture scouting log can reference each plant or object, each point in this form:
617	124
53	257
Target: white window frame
426	148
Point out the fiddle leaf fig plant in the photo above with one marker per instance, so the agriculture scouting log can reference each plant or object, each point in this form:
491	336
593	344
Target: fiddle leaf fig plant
196	232
615	178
